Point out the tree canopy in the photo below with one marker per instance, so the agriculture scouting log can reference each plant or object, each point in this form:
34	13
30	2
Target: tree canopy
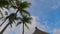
21	9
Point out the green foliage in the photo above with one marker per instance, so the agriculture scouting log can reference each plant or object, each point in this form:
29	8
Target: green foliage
1	14
18	23
3	3
21	6
25	4
26	12
10	3
25	19
26	26
12	17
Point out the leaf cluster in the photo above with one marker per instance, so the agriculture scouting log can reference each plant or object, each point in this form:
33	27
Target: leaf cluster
21	6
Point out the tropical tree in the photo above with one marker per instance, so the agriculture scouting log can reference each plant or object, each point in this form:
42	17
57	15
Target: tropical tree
16	4
20	6
25	19
12	17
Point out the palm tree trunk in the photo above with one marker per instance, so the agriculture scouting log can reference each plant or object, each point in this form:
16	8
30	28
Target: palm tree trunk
4	28
23	28
16	11
3	23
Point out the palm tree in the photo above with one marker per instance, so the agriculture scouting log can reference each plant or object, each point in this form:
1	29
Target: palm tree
16	5
21	8
12	17
24	20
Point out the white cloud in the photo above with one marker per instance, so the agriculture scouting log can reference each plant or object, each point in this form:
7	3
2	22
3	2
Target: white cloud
56	31
18	29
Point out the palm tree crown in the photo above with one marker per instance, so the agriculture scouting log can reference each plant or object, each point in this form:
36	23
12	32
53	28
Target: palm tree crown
26	20
16	4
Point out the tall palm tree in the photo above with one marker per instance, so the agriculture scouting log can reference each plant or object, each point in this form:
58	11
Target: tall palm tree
22	11
24	20
16	5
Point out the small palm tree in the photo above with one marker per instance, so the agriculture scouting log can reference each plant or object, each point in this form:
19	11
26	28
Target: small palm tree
25	20
12	17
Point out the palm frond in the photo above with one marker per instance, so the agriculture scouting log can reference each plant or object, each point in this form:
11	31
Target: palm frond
26	12
26	19
1	14
4	21
18	18
27	26
10	22
24	4
12	18
3	3
18	23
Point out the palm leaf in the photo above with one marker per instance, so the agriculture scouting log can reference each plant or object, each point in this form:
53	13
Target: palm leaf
3	3
27	26
18	18
12	18
26	12
4	21
10	22
18	23
27	19
24	4
1	14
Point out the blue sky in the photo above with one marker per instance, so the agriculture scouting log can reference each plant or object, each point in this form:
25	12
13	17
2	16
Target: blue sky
46	13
